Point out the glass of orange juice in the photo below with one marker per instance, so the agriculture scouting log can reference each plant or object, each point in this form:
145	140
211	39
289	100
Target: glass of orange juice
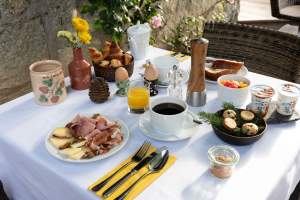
138	97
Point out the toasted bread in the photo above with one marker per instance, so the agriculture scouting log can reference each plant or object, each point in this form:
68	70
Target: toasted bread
227	64
214	74
62	133
61	143
247	115
229	124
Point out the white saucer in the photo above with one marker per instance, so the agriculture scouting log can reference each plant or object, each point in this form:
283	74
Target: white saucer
188	130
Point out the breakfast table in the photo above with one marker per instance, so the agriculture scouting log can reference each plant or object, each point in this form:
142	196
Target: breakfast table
268	169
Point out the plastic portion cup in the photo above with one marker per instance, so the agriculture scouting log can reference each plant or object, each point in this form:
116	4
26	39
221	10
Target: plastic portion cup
288	95
223	160
261	96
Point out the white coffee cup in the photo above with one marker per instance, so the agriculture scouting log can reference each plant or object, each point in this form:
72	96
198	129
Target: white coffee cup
164	64
168	124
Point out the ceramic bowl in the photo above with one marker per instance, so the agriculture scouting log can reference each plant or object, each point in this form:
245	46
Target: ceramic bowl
228	137
236	96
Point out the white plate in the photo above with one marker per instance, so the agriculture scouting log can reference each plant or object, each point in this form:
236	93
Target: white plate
55	152
242	72
184	79
188	130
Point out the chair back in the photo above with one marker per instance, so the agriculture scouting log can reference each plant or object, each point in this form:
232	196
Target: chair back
286	9
264	51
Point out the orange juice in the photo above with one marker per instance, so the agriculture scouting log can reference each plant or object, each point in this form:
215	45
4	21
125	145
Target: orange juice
138	98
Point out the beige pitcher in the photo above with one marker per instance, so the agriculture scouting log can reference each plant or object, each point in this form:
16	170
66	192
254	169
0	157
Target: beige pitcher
47	79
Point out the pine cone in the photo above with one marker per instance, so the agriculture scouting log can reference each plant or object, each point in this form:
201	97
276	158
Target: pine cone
99	90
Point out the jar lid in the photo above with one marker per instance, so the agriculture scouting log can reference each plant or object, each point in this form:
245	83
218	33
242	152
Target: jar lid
263	91
290	90
138	29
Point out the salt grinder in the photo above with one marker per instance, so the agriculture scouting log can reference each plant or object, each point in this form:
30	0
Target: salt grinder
196	92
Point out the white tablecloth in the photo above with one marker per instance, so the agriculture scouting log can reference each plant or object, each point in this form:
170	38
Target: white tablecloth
268	169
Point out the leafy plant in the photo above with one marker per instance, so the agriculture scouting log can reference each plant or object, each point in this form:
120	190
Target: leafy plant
190	27
113	17
187	28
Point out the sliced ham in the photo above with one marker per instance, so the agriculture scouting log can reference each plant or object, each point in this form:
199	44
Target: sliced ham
101	138
100	133
92	134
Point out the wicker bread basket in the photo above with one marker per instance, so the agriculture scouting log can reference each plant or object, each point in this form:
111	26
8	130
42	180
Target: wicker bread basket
108	73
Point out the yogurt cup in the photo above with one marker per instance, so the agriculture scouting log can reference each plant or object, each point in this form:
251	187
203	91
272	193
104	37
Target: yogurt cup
288	95
261	96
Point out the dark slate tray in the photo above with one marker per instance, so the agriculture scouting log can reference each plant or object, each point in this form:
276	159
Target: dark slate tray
273	117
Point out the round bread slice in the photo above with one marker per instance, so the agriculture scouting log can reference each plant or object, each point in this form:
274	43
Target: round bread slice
250	129
229	113
247	115
229	124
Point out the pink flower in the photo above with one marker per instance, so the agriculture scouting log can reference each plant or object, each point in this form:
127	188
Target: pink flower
156	21
231	1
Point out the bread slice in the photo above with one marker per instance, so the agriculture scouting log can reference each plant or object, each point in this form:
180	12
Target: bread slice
229	124
214	74
61	143
69	151
62	133
227	64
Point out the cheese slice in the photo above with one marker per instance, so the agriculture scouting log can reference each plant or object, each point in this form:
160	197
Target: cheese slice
69	151
61	143
77	156
78	144
62	133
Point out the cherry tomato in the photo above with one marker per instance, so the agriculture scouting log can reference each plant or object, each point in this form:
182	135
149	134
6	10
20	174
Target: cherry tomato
230	84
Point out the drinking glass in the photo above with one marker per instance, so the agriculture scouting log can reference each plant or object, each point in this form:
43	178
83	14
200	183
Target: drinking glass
138	96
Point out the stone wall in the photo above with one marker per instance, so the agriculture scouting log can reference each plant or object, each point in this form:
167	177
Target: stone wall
28	33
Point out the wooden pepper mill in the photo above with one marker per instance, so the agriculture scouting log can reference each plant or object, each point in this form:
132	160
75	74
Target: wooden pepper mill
196	92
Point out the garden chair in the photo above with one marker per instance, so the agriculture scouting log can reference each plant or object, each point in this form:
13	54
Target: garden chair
286	9
264	51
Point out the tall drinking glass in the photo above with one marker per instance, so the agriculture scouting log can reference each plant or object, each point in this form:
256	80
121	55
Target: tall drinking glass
138	97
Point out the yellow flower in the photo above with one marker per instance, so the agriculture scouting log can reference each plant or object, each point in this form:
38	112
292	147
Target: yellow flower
80	24
84	37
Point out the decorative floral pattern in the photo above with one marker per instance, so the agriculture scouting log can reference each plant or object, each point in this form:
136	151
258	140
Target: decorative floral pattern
50	90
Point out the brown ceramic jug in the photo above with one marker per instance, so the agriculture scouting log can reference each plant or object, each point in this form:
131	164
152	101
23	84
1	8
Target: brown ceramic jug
79	71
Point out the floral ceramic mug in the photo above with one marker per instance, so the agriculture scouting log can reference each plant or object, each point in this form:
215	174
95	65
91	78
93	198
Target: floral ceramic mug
47	80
